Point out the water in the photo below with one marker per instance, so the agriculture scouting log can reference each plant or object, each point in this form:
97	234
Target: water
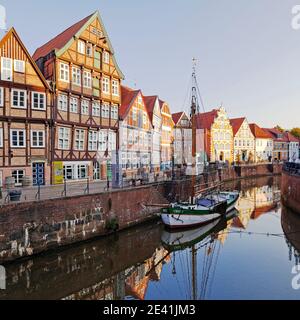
250	256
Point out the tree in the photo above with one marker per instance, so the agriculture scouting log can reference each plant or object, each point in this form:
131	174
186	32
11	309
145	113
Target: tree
279	128
296	132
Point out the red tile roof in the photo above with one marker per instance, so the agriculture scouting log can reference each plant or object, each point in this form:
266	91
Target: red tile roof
260	133
275	135
205	120
61	40
236	124
177	116
127	97
291	138
150	104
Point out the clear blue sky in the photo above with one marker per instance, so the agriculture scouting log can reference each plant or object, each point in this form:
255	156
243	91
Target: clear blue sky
248	54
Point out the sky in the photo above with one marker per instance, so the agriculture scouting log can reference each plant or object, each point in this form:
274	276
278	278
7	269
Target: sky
248	54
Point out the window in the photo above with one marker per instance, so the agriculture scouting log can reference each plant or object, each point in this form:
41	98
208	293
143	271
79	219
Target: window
75	171
89	50
37	139
96	109
106	57
82	171
19	98
73	105
1	97
145	119
1	137
79	139
18	175
38	101
105	111
64	72
76	76
81	47
102	140
87	79
97	59
105	85
115	87
62	102
134	114
18	138
85	107
63	138
6	69
93	141
19	66
115	112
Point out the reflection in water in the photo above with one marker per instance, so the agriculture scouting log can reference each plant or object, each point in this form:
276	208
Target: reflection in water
233	258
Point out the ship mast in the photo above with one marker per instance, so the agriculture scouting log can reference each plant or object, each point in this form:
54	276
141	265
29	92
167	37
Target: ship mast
194	130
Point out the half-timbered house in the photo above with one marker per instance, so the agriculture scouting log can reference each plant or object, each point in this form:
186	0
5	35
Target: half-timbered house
81	65
25	115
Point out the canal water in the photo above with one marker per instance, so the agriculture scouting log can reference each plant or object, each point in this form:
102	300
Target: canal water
250	255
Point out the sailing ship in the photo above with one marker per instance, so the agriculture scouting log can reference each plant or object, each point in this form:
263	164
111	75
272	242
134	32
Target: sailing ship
203	209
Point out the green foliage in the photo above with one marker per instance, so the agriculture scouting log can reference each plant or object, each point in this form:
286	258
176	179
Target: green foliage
296	132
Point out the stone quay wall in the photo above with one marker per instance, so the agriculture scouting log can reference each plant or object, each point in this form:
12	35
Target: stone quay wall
290	191
31	228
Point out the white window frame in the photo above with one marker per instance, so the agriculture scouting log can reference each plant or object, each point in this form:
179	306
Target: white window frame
105	85
76	76
114	112
87	79
64	72
62	102
19	66
74	102
1	97
79	139
96	109
102	140
1	137
89	46
38	132
93	140
18	138
85	106
105	111
18	181
81	47
106	57
6	72
64	138
40	94
115	88
19	92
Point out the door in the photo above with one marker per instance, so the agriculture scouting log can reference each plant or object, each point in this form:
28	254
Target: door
38	174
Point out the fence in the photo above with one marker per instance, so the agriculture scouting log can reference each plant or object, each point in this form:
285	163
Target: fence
292	168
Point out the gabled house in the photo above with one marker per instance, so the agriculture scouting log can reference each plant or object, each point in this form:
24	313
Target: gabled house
263	146
153	108
243	146
167	137
135	134
218	135
25	115
293	153
280	144
80	64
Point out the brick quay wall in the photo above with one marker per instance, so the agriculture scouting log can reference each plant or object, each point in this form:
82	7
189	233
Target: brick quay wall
31	228
290	191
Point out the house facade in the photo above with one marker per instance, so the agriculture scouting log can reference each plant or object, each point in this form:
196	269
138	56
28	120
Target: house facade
293	153
243	146
218	135
153	108
280	144
81	66
263	147
167	137
135	134
25	115
182	140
